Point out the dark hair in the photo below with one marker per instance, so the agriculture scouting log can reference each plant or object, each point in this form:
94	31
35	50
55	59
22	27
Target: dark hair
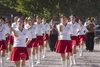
2	18
9	22
21	19
89	18
26	19
44	17
52	19
80	19
63	16
73	15
38	16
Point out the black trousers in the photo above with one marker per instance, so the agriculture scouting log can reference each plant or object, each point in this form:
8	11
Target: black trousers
90	41
52	41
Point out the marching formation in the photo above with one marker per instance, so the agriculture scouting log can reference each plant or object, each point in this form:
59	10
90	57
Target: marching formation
29	39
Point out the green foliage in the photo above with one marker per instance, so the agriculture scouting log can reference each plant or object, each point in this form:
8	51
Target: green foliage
82	8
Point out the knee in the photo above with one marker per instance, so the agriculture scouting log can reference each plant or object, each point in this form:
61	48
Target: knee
3	53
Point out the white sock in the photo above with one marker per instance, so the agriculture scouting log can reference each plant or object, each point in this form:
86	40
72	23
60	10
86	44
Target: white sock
39	58
81	50
42	52
71	60
2	61
63	63
67	63
9	54
29	61
74	59
33	60
45	50
36	55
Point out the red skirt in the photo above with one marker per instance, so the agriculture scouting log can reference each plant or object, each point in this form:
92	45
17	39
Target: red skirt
18	53
2	45
74	40
12	39
63	46
7	40
81	38
33	43
39	40
46	38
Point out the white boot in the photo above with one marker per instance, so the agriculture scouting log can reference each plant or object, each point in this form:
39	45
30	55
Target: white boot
2	61
71	60
29	61
67	63
63	64
33	60
74	59
39	58
9	54
45	50
81	50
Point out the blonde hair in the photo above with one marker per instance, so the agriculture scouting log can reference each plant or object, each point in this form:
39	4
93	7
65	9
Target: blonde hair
30	18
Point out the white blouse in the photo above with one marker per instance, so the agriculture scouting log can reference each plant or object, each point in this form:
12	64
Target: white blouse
65	34
21	40
47	28
76	28
32	31
40	29
83	28
14	25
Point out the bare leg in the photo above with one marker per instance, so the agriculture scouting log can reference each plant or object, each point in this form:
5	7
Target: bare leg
17	63
2	57
22	62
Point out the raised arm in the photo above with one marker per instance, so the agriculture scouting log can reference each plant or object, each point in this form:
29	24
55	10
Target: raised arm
14	31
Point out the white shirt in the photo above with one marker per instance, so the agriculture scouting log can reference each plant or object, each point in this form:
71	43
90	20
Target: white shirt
87	23
65	34
1	33
21	40
40	29
83	28
4	27
14	25
76	28
32	31
47	28
7	29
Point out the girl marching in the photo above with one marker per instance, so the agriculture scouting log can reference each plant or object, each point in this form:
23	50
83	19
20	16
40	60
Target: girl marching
81	37
39	28
8	51
63	45
47	28
33	44
74	38
19	51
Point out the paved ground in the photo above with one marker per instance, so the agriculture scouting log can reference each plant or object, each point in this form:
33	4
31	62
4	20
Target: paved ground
90	59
